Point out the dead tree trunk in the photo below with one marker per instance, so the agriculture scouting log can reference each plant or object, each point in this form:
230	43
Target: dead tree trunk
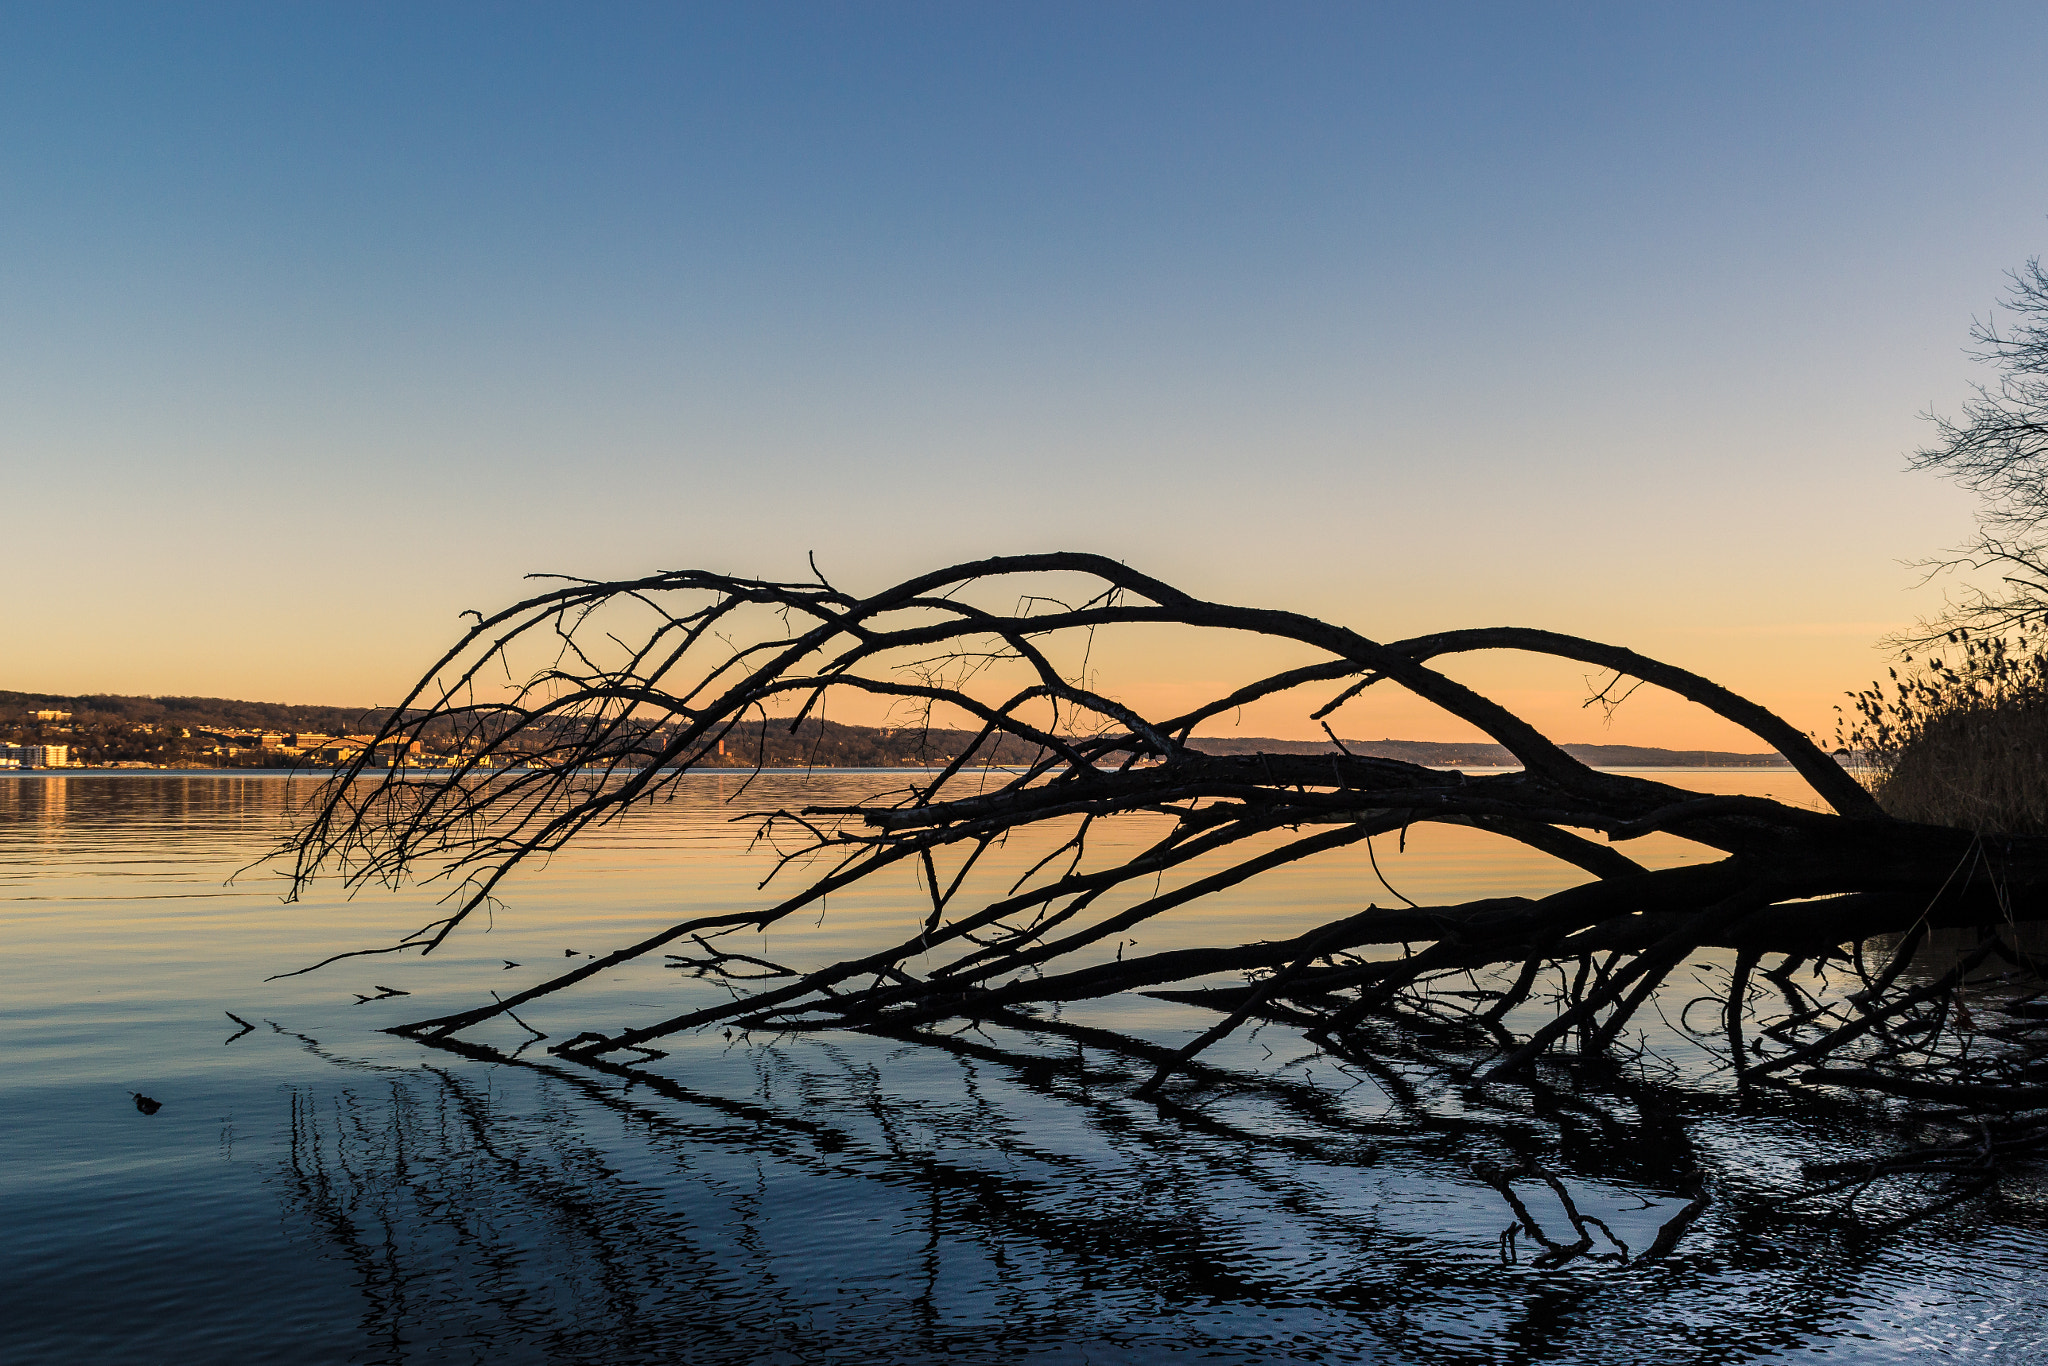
639	681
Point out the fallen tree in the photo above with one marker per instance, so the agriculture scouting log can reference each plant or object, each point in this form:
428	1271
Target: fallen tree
642	680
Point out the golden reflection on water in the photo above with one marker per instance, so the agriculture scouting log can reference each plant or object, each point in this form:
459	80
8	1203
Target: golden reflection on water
100	871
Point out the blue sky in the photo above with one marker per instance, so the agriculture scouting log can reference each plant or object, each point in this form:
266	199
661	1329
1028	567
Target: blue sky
324	322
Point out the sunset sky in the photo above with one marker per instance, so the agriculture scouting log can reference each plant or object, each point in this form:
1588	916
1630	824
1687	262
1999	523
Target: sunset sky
325	322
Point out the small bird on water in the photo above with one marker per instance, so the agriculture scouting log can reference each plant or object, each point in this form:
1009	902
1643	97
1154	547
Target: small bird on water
145	1104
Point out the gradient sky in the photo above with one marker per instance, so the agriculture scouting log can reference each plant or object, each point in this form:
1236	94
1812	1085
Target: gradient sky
324	322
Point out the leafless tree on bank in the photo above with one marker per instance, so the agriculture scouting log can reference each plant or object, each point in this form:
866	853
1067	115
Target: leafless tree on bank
1998	449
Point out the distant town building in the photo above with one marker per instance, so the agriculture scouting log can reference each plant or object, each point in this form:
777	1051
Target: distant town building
36	756
331	749
51	716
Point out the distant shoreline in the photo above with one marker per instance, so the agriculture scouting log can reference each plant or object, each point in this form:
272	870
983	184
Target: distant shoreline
174	734
317	773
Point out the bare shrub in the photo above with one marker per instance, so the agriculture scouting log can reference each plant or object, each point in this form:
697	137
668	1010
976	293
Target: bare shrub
1962	743
1979	770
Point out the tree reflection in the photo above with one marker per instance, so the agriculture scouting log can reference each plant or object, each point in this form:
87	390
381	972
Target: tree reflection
840	1209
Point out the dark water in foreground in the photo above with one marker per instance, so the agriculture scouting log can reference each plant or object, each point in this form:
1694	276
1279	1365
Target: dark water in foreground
314	1191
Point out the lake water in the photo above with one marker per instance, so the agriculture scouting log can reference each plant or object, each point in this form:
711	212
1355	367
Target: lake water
315	1191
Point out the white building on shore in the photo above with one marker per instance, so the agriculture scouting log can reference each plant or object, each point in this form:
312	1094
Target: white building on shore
35	756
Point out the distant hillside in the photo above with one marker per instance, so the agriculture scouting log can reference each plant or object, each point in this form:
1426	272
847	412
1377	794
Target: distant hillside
105	727
196	712
1443	754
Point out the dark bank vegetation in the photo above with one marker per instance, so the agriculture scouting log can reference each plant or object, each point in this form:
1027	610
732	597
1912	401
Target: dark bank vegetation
1961	739
1828	938
1958	735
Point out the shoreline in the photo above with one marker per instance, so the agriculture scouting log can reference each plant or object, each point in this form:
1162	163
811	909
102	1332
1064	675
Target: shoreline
110	772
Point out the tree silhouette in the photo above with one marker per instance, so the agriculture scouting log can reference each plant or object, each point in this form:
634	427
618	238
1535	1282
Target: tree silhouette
622	687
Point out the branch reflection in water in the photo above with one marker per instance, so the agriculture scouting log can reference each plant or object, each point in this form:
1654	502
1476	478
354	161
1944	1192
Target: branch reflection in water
855	1204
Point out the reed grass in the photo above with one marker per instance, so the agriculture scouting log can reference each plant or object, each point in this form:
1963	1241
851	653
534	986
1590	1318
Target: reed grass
1977	770
1962	739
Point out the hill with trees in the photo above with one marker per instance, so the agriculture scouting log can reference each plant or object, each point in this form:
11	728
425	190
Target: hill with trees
107	728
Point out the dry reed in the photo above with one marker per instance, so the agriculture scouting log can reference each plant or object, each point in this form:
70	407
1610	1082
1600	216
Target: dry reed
1977	770
1964	744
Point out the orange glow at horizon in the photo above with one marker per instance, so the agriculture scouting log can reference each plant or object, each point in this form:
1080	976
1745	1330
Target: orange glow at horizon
1798	669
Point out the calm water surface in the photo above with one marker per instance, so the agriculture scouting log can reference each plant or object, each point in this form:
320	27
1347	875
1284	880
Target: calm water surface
315	1191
